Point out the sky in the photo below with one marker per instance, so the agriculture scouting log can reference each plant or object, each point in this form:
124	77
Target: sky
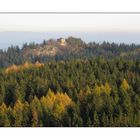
20	28
70	22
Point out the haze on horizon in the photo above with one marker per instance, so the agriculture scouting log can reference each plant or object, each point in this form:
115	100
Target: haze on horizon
17	29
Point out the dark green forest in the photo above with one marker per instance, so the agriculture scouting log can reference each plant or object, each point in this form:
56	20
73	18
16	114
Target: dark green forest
97	87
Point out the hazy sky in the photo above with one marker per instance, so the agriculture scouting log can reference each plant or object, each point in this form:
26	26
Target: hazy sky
70	22
17	29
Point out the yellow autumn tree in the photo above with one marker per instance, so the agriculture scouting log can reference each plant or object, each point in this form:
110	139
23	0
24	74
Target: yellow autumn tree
56	103
60	104
12	68
97	89
124	85
18	113
26	65
50	99
38	64
19	68
4	116
106	88
84	93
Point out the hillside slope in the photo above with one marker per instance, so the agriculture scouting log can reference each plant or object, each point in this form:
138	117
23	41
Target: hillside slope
71	48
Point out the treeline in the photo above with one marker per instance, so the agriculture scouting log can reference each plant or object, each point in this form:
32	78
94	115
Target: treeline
76	49
78	92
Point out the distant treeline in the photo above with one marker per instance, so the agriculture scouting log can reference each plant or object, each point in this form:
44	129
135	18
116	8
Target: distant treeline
15	55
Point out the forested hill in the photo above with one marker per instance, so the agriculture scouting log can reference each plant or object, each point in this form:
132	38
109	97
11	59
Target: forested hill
72	48
87	84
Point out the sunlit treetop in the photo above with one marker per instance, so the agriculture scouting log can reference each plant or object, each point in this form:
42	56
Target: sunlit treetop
26	65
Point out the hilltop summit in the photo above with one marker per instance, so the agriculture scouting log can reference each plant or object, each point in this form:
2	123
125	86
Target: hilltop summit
61	41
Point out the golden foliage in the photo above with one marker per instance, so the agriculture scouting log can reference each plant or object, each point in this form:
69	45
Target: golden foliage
3	108
4	116
18	106
97	89
83	93
11	69
35	118
18	113
56	103
102	89
106	88
26	65
124	85
38	64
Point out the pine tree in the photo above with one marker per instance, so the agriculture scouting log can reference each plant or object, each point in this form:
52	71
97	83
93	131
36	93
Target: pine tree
26	115
18	113
35	119
89	123
4	121
105	120
95	120
37	113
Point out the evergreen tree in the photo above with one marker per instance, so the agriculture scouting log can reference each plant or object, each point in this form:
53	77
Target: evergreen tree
96	122
4	121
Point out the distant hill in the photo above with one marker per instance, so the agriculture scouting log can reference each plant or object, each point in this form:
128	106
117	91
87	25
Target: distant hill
70	48
53	47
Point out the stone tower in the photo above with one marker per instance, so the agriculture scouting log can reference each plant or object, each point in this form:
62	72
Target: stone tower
61	41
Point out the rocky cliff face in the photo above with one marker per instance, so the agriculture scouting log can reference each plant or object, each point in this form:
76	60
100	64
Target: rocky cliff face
53	47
